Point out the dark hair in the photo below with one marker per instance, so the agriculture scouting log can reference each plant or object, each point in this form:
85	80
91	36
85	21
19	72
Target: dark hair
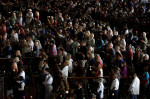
124	63
46	61
47	69
52	41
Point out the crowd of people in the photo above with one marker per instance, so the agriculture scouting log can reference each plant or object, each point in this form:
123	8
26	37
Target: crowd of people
90	38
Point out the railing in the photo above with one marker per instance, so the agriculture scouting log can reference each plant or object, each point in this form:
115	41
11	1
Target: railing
31	65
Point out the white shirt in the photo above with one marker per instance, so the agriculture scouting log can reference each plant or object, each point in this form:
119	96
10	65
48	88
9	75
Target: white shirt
14	38
70	65
28	20
20	20
22	85
64	72
115	84
101	88
48	79
135	86
30	47
123	45
22	74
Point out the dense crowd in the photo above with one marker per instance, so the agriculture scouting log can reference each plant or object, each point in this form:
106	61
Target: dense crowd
90	38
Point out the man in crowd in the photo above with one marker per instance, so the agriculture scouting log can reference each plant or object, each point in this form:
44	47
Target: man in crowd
115	87
134	89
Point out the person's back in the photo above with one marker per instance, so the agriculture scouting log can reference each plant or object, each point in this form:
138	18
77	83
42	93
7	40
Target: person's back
79	92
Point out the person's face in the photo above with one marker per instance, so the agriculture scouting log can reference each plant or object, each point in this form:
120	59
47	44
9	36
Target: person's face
114	77
44	63
76	26
122	65
67	57
98	59
80	29
134	76
119	58
118	38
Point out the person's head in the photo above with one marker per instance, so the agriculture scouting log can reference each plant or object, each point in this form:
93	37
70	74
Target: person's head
83	43
52	42
68	56
146	69
115	75
36	43
98	58
21	69
117	48
1	36
20	78
16	59
119	56
87	33
110	46
110	32
105	32
80	28
118	38
134	75
70	24
66	63
93	96
20	14
29	10
8	43
18	53
122	38
29	39
91	35
47	70
79	84
37	13
59	15
144	34
45	62
13	14
76	25
12	32
89	55
146	57
123	64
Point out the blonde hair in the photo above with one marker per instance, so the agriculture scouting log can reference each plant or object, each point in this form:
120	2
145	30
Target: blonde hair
37	13
18	53
91	35
39	44
66	62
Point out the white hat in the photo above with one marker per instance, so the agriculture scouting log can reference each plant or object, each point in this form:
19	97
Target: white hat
30	10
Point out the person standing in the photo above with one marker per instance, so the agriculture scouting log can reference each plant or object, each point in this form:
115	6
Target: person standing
114	87
144	83
20	88
100	90
53	48
134	88
79	91
48	84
